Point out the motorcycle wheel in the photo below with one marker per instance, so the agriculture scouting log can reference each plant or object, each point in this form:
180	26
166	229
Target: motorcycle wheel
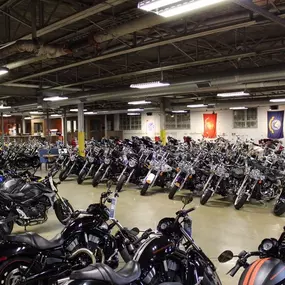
6	229
205	196
11	271
81	177
144	189
172	192
279	208
63	174
97	178
62	212
121	183
240	201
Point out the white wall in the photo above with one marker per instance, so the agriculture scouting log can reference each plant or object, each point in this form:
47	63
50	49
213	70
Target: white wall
224	126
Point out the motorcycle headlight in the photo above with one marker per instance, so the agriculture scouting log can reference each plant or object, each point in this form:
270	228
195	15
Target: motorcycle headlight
107	161
91	159
132	163
72	158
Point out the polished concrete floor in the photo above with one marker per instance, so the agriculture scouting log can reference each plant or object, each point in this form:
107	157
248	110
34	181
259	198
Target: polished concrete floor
216	227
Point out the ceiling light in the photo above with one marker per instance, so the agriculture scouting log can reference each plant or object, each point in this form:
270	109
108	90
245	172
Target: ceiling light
55	115
139	102
197	106
179	111
76	110
135	110
150	5
36	113
133	114
90	113
55	98
7	115
233	94
3	70
5	107
147	85
238	108
28	118
186	6
277	100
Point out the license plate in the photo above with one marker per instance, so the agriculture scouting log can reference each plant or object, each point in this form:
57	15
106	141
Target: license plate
150	178
177	184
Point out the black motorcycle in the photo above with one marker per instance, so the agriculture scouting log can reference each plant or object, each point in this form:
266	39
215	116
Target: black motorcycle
73	166
29	258
159	259
267	270
27	204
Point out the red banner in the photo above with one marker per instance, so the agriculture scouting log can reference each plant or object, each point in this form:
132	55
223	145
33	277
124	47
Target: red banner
210	125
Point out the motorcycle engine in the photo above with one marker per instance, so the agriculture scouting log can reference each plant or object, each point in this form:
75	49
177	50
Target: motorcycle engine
35	212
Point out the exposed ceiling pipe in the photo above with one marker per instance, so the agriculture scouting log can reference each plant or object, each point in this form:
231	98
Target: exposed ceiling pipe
148	46
34	86
48	51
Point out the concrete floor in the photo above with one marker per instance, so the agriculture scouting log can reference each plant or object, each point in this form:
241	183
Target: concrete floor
216	227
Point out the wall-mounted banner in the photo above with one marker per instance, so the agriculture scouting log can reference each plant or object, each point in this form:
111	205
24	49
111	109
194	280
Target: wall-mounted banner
275	124
210	125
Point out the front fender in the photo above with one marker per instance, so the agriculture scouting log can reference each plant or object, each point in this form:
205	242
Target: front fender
12	249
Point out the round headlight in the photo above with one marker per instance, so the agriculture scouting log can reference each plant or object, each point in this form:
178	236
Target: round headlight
132	163
107	161
91	159
72	158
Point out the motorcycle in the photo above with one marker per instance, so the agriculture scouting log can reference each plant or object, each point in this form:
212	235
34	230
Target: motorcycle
159	259
28	205
267	270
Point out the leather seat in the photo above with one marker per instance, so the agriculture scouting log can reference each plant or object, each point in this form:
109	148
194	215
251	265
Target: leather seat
102	272
36	240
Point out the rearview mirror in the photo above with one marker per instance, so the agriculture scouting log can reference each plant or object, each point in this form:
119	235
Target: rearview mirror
187	200
226	256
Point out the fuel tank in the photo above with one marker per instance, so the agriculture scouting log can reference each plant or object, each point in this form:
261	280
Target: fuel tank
266	271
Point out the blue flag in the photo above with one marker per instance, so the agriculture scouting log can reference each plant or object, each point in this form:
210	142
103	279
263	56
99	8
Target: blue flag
275	124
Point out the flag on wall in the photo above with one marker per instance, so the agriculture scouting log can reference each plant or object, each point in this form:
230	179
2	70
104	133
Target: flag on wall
210	125
275	124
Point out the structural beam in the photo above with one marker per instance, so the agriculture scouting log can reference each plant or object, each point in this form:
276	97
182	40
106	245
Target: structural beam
248	4
136	49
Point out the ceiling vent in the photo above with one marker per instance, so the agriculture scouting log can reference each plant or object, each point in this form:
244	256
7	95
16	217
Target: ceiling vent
203	84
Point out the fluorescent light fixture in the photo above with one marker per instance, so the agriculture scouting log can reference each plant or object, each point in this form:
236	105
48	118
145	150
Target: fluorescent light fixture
150	5
238	108
197	106
3	70
133	114
28	118
139	102
55	98
90	113
36	113
76	110
233	94
186	6
7	115
135	110
277	100
5	107
147	85
179	111
55	115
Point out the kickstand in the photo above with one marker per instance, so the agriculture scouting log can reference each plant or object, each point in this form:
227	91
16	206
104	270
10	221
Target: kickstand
25	227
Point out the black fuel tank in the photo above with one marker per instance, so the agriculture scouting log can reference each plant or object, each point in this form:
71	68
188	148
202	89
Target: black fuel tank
266	271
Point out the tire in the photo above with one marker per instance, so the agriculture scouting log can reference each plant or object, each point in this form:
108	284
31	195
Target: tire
239	202
62	212
279	208
172	192
10	270
121	183
144	189
81	177
63	174
97	178
206	196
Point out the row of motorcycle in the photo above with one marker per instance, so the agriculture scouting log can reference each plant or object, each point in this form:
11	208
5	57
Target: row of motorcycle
87	252
240	171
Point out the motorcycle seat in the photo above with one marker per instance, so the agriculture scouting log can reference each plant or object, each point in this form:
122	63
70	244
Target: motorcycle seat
36	240
102	272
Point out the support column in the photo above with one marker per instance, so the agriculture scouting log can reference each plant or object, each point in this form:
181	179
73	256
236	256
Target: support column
162	123
106	127
64	127
81	134
2	128
23	125
48	128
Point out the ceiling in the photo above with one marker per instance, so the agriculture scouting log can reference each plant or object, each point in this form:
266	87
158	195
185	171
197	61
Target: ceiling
93	50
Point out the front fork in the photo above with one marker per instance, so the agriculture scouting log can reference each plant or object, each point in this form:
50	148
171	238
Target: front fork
71	168
90	170
208	182
241	188
132	172
122	173
105	173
